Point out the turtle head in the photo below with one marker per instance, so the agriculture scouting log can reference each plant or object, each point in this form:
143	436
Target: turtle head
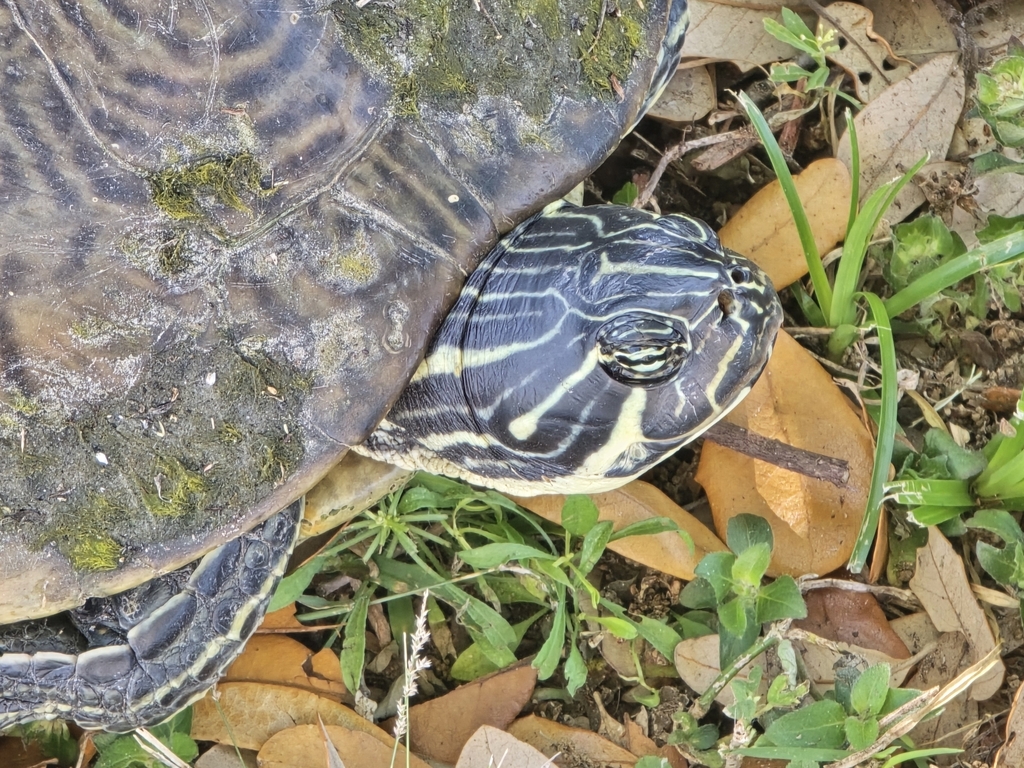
688	321
663	332
590	344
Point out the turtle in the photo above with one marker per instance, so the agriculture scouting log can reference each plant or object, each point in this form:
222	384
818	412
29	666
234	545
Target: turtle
240	239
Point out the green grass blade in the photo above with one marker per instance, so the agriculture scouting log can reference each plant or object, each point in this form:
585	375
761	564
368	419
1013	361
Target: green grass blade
855	248
952	272
822	289
854	171
886	434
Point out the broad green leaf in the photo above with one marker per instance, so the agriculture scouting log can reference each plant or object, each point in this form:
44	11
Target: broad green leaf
493	555
733	616
698	594
1003	565
353	649
626	195
780	600
716	567
579	514
575	670
550	653
746	530
731	645
868	694
861	734
623	629
594	542
897	697
695	624
472	663
997	521
294	584
812	754
819	724
657	633
751	564
648	527
486	626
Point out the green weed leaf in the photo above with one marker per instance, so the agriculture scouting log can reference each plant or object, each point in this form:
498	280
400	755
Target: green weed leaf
579	514
353	649
501	553
698	594
716	567
868	694
861	734
780	600
751	564
820	724
594	542
744	531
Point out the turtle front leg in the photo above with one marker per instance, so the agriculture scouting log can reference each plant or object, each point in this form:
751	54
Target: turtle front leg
171	656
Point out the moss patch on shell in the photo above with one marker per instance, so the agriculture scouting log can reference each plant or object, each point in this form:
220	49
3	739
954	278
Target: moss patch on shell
179	490
446	53
182	191
84	538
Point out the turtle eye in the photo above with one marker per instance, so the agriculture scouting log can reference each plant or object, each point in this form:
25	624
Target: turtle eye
642	350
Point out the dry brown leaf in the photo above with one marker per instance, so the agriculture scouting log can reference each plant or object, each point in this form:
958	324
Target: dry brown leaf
303	747
579	744
866	55
1011	754
689	96
763	229
941	585
634	502
814	523
916	29
696	661
640	745
731	32
1001	194
282	618
440	728
914	117
950	658
280	659
915	630
993	24
821	662
226	756
493	747
16	753
851	617
253	712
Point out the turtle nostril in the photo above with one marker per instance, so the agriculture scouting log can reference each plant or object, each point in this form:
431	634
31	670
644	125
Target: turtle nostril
727	303
740	275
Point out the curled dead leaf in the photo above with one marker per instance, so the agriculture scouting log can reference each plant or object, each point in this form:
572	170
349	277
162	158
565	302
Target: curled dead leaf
940	583
303	747
814	523
248	714
914	117
587	747
763	229
440	728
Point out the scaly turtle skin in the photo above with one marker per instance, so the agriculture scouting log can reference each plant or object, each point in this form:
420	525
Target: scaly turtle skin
223	256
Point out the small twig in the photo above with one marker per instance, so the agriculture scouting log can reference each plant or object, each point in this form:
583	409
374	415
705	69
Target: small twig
478	6
904	596
673	153
827	468
600	26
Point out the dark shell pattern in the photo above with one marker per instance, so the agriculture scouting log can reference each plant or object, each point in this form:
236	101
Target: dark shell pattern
227	231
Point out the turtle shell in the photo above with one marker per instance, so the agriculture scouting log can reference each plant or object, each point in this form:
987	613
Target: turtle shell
228	230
